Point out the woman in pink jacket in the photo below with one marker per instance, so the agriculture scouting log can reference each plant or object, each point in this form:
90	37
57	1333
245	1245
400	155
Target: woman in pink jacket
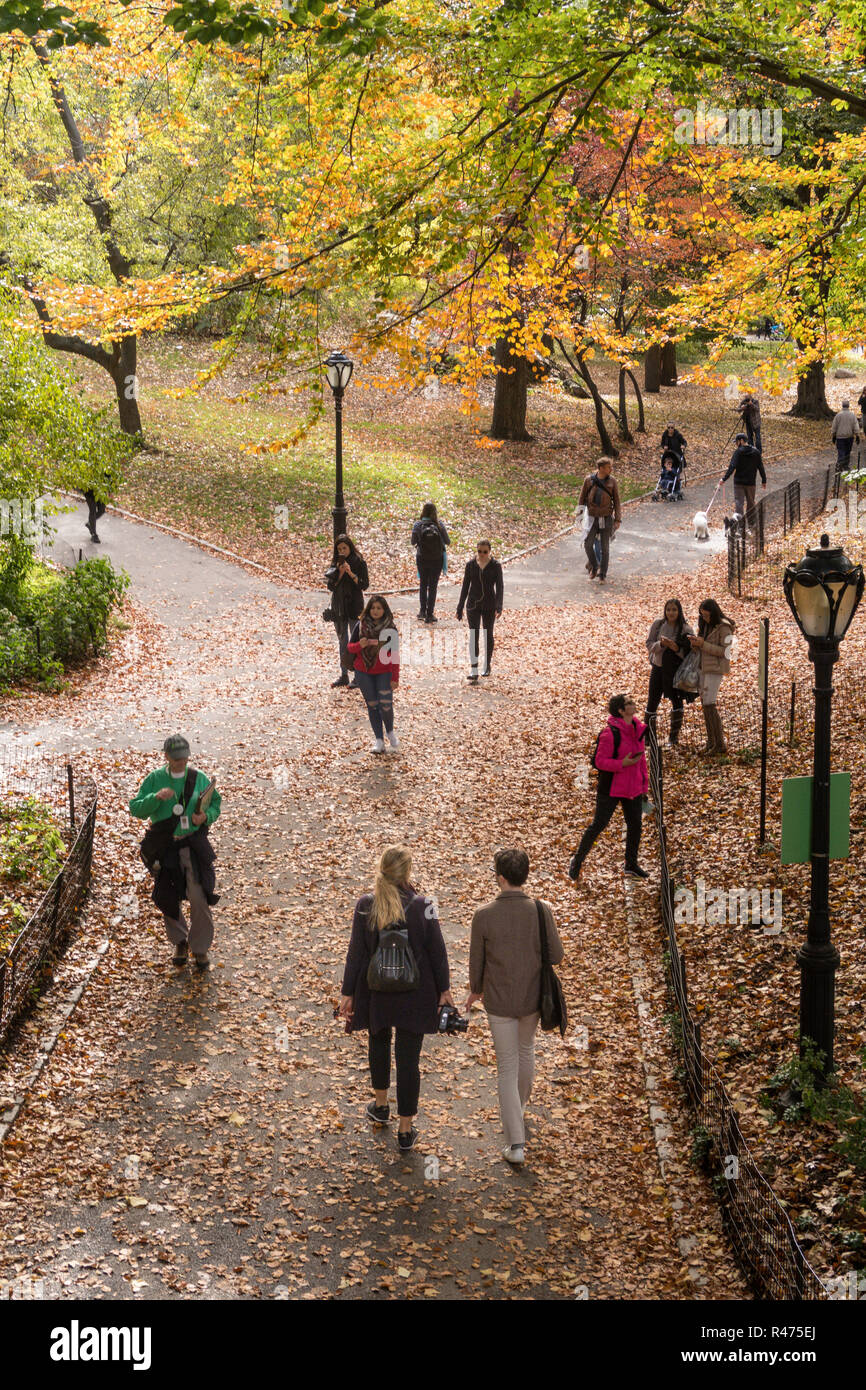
622	780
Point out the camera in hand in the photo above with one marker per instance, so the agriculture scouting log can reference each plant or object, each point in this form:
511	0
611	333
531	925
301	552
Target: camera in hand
450	1020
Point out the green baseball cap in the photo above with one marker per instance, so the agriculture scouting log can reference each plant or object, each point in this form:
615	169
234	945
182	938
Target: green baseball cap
176	747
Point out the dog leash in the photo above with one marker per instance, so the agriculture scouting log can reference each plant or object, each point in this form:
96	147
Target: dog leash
712	500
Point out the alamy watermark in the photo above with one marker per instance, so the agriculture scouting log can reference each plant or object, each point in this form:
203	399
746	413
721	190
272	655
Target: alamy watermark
757	907
23	517
739	127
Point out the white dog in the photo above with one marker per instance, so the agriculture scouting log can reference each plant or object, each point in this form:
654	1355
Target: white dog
702	530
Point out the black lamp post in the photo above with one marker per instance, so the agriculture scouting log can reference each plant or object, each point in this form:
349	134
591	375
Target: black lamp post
339	372
823	592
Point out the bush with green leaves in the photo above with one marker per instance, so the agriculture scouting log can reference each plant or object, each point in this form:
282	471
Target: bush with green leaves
32	852
54	618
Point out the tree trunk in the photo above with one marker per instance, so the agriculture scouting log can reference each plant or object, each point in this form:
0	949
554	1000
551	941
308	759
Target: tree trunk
641	419
125	378
509	401
669	364
624	431
652	370
607	444
811	402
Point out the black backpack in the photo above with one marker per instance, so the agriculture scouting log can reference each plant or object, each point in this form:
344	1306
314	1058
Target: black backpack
605	778
393	968
430	543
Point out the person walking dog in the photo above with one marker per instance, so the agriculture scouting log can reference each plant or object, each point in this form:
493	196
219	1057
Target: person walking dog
600	496
374	644
505	973
746	463
714	642
482	597
623	780
182	804
396	922
667	645
430	540
347	578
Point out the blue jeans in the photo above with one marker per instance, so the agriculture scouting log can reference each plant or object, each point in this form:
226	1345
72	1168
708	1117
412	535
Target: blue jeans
377	692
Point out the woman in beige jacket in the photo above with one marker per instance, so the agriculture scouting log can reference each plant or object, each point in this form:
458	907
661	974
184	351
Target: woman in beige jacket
714	639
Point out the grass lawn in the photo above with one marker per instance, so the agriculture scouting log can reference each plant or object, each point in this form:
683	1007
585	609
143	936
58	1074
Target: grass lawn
399	450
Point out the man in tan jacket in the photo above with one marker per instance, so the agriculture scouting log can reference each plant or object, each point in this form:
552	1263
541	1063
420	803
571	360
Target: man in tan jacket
505	970
600	496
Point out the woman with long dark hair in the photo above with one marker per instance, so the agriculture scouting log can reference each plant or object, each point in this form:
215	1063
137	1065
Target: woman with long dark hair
667	645
347	579
714	641
373	642
395	904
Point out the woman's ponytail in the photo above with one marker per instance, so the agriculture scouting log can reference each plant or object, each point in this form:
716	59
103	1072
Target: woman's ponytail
395	866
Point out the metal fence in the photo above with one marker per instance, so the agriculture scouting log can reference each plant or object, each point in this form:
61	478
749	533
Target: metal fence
758	553
755	1221
72	798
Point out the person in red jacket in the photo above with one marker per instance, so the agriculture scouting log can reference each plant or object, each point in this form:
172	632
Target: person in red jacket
622	780
374	644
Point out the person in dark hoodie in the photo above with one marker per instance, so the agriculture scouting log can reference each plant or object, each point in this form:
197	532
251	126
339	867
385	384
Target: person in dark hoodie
430	540
746	463
481	597
182	805
347	579
674	441
395	905
623	780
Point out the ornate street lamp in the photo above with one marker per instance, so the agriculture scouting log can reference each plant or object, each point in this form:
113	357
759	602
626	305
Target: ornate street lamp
823	592
338	369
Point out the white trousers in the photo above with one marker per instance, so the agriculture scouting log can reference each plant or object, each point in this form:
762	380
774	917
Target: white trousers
514	1041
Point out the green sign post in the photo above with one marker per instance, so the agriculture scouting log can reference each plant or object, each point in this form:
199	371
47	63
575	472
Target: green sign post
797	818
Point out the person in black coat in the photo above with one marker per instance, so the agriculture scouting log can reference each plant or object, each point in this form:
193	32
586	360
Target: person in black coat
746	463
481	596
347	578
430	540
411	1013
674	441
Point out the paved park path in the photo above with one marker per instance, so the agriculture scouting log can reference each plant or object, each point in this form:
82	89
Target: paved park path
201	1136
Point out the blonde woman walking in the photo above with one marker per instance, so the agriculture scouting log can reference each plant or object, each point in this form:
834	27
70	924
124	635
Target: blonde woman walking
396	979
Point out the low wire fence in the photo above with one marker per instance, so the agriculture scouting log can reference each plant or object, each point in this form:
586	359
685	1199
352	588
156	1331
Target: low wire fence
759	551
755	1221
72	798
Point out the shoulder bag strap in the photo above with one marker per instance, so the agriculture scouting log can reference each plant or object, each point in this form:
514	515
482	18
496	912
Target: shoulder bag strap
542	933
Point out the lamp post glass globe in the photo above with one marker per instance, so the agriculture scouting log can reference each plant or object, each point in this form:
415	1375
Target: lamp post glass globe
338	369
823	591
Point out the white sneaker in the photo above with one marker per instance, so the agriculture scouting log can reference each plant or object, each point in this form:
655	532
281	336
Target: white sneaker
513	1153
377	746
393	739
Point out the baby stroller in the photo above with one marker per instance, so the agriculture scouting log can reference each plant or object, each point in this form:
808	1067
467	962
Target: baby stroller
669	487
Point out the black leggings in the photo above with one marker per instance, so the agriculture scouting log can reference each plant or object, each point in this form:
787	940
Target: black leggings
632	809
478	619
407	1052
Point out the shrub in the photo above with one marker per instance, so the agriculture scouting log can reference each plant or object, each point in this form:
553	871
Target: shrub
54	617
32	852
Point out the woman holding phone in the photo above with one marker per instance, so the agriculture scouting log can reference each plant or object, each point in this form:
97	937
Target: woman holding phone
347	578
623	780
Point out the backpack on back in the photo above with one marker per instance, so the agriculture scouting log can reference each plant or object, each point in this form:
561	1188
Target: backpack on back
393	968
605	778
430	545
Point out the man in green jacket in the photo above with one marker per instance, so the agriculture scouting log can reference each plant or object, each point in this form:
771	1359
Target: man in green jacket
181	860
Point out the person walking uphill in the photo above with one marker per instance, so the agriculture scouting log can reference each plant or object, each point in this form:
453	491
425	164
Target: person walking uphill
600	496
395	937
623	780
347	578
714	642
482	597
505	972
374	644
182	804
749	411
844	432
430	540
